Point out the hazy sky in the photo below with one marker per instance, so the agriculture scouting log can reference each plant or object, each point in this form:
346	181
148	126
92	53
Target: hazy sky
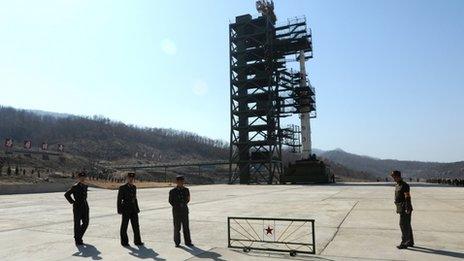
388	74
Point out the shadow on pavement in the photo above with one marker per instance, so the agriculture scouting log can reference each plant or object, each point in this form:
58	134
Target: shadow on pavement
437	251
200	253
87	250
144	253
280	256
384	184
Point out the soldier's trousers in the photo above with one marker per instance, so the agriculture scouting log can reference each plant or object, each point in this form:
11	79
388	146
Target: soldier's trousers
134	219
406	229
181	219
81	221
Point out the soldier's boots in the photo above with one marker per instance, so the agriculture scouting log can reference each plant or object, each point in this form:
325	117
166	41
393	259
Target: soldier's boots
404	246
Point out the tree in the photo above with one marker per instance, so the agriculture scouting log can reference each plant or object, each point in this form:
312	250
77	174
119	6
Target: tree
16	170
8	171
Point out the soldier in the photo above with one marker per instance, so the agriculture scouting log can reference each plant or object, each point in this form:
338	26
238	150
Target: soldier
179	197
80	207
128	207
404	209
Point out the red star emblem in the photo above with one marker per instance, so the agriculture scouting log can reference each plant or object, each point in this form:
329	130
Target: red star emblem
268	230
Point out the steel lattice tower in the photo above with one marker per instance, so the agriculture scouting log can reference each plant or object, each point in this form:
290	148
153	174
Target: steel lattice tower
263	90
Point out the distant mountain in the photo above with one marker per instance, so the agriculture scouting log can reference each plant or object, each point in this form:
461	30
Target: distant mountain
340	171
381	167
317	151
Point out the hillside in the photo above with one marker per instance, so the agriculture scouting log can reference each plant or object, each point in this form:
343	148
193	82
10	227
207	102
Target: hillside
381	167
102	139
88	140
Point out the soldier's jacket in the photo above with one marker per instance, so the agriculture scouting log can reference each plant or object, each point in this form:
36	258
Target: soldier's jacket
79	192
179	198
402	204
127	199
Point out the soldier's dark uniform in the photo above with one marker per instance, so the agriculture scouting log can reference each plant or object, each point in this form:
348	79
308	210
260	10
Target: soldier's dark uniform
179	198
404	209
80	209
129	208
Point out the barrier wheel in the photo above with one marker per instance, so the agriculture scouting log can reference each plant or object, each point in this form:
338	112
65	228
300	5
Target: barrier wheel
292	253
246	249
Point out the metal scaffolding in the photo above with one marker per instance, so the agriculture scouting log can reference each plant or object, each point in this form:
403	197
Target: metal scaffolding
263	90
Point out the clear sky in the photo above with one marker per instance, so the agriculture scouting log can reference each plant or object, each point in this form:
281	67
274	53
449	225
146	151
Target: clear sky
389	75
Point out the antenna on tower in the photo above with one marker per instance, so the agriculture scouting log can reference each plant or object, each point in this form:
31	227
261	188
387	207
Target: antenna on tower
266	7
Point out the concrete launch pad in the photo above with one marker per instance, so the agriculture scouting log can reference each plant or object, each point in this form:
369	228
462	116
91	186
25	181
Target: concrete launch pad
353	222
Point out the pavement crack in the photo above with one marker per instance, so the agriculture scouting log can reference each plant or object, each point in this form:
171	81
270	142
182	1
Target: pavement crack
334	194
338	227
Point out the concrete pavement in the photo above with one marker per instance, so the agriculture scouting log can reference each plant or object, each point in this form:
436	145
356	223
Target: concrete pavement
354	221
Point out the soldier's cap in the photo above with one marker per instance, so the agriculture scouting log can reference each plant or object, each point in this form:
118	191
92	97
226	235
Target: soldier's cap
395	173
180	177
82	174
131	174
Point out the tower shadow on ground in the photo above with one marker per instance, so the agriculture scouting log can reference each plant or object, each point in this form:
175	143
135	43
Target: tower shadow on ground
280	256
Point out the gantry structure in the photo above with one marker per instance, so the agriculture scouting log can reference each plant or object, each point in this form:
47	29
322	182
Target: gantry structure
263	90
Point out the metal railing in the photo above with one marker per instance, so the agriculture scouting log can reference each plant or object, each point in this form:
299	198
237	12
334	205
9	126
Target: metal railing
272	234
